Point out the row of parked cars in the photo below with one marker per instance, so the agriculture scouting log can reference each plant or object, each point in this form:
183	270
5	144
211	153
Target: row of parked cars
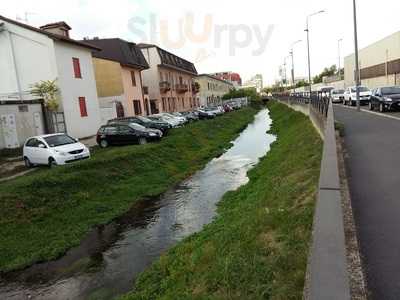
381	99
60	149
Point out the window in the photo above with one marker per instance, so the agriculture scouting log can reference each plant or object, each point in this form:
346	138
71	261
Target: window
82	107
77	67
133	78
137	108
31	143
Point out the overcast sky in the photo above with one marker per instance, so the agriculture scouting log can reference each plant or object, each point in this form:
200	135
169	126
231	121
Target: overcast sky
237	31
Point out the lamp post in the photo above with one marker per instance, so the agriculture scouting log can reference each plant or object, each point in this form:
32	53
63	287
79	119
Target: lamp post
292	55
285	69
357	72
308	47
339	57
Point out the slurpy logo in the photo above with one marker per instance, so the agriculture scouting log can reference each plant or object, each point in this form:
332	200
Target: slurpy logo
233	36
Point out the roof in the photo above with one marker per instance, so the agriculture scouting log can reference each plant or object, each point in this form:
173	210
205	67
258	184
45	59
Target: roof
171	60
55	25
53	36
216	78
124	52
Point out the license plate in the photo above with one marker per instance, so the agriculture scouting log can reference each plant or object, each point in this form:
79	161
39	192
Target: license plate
78	156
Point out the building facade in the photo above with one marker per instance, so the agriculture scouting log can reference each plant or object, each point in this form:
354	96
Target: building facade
29	55
170	81
379	64
118	68
255	82
212	89
231	77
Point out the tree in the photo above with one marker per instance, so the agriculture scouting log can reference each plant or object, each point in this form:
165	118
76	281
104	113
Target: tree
326	72
241	93
48	91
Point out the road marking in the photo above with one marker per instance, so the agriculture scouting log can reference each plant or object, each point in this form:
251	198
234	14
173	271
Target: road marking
370	112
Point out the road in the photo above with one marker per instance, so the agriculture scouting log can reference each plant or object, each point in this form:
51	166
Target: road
373	167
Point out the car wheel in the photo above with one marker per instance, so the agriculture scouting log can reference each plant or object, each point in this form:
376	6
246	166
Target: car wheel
52	162
103	144
142	141
27	162
370	106
381	108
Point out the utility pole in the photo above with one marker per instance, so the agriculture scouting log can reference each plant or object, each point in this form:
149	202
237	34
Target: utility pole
357	72
292	55
308	48
339	56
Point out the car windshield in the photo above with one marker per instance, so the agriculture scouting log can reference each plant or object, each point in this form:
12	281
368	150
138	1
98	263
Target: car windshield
391	90
59	140
137	127
361	89
143	119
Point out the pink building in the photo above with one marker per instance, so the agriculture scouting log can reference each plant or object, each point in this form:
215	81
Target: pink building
170	79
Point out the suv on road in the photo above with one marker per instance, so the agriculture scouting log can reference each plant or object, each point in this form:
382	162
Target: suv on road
350	97
337	96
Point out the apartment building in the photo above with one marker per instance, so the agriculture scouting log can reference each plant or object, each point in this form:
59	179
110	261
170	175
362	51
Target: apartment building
118	68
379	63
29	55
232	77
212	89
170	80
255	82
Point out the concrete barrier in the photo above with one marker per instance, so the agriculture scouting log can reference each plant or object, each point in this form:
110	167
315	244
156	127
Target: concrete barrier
328	277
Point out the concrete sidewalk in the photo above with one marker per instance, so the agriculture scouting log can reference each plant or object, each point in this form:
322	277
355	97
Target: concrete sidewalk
373	166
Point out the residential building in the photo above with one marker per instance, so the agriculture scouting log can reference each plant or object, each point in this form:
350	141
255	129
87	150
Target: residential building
379	63
255	82
170	80
232	77
118	68
212	89
29	55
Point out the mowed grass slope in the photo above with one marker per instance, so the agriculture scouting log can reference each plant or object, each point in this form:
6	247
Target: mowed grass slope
44	214
258	245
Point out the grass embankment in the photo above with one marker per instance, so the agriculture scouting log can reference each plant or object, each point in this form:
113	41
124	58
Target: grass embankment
45	213
257	247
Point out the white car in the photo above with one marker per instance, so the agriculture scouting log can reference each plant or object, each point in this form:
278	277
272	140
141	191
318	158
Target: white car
182	120
165	118
337	96
53	149
350	95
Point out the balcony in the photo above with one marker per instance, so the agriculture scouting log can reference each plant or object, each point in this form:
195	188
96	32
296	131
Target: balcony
165	86
195	87
181	88
145	90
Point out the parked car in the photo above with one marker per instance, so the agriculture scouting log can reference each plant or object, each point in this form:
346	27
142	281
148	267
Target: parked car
386	98
350	97
53	149
227	108
181	119
191	116
337	96
146	122
163	118
205	114
124	134
215	110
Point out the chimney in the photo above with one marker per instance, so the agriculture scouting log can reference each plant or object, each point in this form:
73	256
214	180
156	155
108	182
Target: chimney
60	28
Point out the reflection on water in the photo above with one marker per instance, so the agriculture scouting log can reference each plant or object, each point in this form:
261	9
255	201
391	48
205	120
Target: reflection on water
108	260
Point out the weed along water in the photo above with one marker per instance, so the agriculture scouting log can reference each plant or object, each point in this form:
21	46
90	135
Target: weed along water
110	257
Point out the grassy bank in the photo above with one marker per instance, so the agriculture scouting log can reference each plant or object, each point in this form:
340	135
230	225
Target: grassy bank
257	247
49	211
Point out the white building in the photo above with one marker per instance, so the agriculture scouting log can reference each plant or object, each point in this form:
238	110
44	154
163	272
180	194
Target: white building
29	55
212	89
255	82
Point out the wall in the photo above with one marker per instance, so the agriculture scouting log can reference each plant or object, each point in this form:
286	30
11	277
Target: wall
72	88
216	90
108	77
34	55
150	76
132	92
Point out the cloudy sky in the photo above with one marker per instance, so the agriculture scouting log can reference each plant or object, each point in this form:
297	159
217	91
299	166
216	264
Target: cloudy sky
248	37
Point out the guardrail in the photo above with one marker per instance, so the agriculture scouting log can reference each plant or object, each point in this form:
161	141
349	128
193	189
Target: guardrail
327	270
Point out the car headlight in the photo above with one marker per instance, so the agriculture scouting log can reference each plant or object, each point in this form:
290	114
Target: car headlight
388	99
152	134
60	152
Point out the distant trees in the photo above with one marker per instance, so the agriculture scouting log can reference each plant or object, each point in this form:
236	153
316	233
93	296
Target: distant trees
332	70
241	93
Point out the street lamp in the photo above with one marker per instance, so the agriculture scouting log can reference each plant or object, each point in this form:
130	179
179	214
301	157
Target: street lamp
292	55
308	46
357	72
285	70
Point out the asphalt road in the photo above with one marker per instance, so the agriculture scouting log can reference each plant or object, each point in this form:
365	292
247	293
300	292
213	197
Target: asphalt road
373	167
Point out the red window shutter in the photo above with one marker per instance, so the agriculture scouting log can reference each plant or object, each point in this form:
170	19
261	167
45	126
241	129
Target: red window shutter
82	106
77	67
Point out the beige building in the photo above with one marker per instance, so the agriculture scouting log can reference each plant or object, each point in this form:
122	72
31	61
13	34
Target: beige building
212	89
170	80
255	82
379	64
118	68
